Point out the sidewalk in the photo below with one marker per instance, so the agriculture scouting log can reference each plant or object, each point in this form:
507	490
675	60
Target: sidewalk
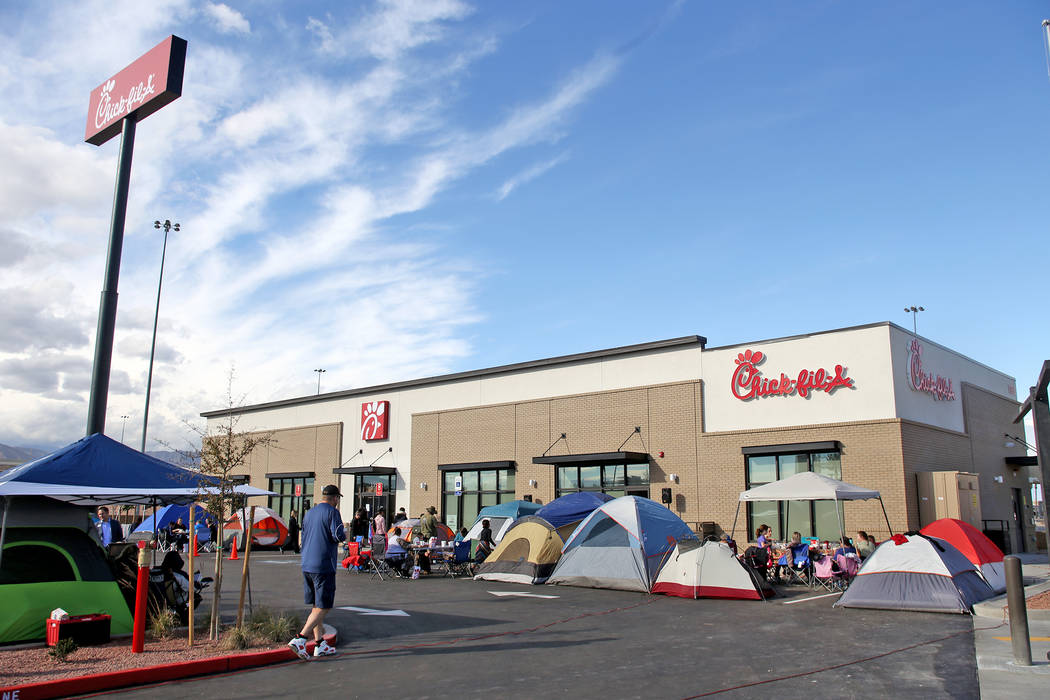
999	676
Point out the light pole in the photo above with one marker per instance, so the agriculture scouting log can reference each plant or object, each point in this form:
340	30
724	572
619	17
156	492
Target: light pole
123	422
167	226
319	373
914	311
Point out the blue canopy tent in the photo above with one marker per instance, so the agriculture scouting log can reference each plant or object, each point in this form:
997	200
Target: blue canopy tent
572	507
500	517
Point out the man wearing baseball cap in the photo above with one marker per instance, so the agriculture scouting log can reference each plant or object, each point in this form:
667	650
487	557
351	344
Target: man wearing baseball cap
322	531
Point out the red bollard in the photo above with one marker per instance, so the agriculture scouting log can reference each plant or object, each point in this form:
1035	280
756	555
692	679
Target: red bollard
138	635
195	546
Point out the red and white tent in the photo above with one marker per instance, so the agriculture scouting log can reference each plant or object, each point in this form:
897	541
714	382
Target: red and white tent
708	571
268	529
975	546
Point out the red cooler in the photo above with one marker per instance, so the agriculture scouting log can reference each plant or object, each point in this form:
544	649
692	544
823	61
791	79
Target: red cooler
85	630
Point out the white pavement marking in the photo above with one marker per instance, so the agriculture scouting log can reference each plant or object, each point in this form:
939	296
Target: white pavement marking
278	561
519	594
803	600
370	611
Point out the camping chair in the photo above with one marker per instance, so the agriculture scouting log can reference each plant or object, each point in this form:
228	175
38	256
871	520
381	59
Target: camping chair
378	563
460	562
848	567
797	563
825	573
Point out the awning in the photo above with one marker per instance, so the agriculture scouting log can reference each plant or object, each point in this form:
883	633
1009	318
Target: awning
592	458
468	466
365	470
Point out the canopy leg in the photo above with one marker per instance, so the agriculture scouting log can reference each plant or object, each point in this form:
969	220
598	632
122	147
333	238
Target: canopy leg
732	533
842	530
3	527
888	526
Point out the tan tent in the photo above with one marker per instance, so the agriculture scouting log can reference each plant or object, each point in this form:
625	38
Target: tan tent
527	553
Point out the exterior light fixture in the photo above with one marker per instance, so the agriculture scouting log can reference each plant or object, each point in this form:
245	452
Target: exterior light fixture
423	485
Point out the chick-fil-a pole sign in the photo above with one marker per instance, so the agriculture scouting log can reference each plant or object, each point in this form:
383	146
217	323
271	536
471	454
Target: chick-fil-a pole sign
748	382
152	81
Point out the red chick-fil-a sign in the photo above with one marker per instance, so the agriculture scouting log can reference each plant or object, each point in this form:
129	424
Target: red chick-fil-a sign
936	385
748	382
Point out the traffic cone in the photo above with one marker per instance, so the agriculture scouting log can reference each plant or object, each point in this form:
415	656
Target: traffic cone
233	554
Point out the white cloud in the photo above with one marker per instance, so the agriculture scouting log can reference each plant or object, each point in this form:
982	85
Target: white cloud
288	170
228	20
528	175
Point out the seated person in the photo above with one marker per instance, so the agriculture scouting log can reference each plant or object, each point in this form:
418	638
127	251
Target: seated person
865	544
762	535
461	535
397	551
730	542
790	558
845	547
485	542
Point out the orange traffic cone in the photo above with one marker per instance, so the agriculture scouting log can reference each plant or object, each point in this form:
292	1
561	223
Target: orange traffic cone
233	554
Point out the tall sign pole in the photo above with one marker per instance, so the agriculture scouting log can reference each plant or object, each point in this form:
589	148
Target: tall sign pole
117	105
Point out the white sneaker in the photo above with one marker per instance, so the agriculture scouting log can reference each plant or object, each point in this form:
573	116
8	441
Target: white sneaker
324	649
298	645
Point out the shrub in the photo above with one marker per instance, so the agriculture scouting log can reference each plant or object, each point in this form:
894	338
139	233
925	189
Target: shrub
62	649
237	638
163	623
274	626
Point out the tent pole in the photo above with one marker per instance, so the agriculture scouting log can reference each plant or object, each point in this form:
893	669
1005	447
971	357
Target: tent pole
3	527
888	526
153	547
732	533
842	530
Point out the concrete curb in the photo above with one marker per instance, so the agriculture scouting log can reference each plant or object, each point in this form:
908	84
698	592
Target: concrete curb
150	675
996	607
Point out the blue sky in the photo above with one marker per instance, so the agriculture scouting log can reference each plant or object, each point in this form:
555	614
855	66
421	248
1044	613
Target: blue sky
399	189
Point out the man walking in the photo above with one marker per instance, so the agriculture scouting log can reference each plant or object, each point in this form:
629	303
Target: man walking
322	531
109	530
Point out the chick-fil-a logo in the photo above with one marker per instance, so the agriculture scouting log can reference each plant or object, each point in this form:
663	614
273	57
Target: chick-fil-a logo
110	108
374	419
748	382
937	386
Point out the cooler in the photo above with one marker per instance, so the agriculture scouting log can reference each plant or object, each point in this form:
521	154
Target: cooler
85	630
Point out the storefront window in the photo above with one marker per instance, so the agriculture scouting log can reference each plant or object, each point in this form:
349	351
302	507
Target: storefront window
288	501
614	479
809	518
480	488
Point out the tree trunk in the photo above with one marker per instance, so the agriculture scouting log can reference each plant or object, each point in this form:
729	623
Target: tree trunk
213	627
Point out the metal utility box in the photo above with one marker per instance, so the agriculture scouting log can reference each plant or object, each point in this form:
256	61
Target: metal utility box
949	494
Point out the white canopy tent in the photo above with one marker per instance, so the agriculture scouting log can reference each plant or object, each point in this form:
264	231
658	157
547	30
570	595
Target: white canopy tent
811	486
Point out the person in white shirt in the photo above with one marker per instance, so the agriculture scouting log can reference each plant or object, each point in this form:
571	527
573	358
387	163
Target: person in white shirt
396	550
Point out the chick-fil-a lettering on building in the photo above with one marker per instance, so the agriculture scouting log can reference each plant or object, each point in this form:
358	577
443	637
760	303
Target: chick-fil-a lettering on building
748	382
937	386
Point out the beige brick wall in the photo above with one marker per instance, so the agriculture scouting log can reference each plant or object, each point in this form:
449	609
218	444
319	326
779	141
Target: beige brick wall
311	448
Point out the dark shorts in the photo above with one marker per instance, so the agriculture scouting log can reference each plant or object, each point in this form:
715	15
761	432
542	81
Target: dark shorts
319	590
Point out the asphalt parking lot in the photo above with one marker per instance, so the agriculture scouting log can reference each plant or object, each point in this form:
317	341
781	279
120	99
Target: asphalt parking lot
440	638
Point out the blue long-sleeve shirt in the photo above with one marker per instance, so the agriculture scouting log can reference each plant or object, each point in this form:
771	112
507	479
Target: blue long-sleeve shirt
322	531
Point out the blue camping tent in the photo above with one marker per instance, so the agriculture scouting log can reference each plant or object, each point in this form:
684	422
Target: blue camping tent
500	517
170	514
622	544
572	507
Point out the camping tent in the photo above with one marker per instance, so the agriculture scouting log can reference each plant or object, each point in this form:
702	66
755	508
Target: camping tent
268	529
52	559
975	546
528	553
916	572
622	544
500	518
710	570
170	514
572	507
811	486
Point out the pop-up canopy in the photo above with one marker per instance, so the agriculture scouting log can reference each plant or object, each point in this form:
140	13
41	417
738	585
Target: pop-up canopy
99	470
811	486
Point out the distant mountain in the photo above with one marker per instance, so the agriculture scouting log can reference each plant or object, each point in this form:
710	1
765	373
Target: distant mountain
176	458
19	455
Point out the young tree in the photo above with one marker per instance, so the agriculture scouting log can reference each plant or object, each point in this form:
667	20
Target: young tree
224	451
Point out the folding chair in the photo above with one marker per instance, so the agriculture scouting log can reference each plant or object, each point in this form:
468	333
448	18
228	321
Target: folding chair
798	564
460	563
378	563
848	567
825	574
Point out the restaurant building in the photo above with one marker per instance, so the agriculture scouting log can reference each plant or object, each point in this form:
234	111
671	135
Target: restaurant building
677	421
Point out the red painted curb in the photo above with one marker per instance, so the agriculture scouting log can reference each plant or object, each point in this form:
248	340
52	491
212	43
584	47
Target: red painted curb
141	676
